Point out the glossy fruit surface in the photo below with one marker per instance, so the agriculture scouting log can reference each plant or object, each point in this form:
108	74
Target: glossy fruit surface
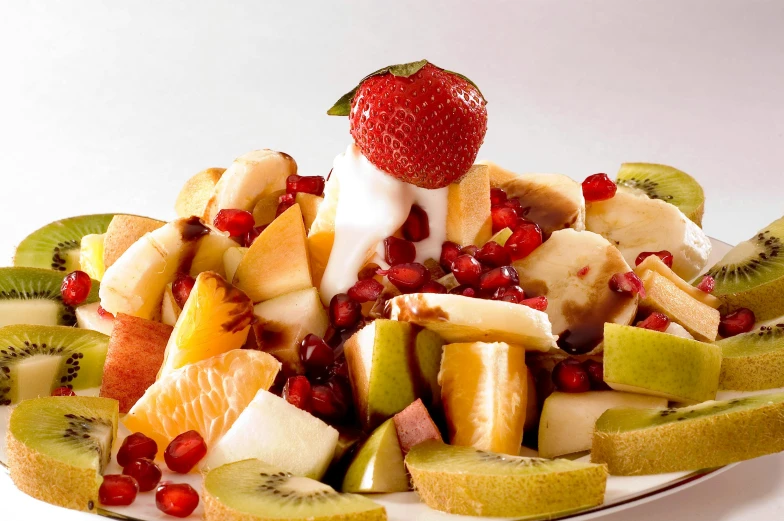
311	184
570	376
316	355
417	225
739	321
664	255
655	321
366	290
628	283
182	287
297	392
146	473
408	277
176	499
598	187
398	251
63	391
524	240
235	222
493	255
344	311
136	446
467	270
184	452
76	288
117	490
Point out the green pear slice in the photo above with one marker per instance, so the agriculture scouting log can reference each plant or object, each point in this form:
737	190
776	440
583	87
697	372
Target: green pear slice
378	465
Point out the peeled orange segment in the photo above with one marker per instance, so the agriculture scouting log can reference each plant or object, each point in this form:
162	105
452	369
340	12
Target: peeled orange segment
321	234
206	396
484	392
216	318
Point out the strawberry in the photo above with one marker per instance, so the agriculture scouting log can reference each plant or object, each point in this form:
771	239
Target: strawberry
417	122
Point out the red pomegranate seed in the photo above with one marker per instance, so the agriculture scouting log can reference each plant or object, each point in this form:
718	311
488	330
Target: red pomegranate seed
538	303
344	311
285	202
340	368
136	446
707	284
598	187
252	235
497	196
628	283
664	255
433	287
63	391
570	376
329	401
76	288
524	240
498	278
503	217
513	294
582	272
467	270
181	288
417	225
235	222
407	277
449	252
596	375
493	254
316	355
103	313
146	473
185	451
366	290
117	490
469	250
308	184
655	322
466	291
515	205
297	392
176	499
739	321
398	251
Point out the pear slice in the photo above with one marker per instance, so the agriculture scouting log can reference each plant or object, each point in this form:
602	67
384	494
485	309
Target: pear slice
378	465
468	208
654	263
659	364
196	192
457	318
124	231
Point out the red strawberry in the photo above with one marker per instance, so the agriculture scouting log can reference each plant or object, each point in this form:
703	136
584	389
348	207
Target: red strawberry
417	122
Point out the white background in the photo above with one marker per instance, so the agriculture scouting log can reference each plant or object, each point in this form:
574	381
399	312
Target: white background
111	108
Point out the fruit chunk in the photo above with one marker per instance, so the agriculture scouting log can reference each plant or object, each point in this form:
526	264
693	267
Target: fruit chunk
634	442
309	204
462	480
91	255
659	364
281	435
134	358
231	259
567	421
572	269
753	361
170	309
196	192
468	208
654	263
205	396
378	464
483	389
58	448
209	255
277	262
88	317
216	318
252	490
321	234
457	318
122	232
414	425
34	360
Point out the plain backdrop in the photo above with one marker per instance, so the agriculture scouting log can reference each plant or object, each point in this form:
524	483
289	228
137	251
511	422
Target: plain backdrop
110	106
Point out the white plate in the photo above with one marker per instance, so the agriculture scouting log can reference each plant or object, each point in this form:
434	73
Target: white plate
622	492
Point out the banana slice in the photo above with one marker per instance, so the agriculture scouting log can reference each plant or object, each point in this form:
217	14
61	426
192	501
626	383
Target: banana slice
573	269
463	319
637	224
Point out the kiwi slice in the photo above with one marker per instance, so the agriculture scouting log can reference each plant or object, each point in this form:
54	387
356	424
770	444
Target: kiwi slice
466	481
32	296
666	183
34	360
751	275
56	245
634	442
59	446
753	361
250	489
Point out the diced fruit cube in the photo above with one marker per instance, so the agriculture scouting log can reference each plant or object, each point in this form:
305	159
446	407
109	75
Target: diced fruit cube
468	210
414	426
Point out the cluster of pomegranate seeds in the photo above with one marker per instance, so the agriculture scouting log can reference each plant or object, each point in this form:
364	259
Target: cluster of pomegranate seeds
235	222
739	321
449	252
538	303
493	254
398	251
311	184
571	376
598	187
185	451
596	375
316	355
417	225
329	401
182	287
664	255
366	290
498	278
146	473
497	196
63	391
408	277
297	392
628	283
285	202
136	446
117	490
252	235
707	284
344	311
76	288
103	313
433	287
524	240
176	499
655	322
467	270
503	217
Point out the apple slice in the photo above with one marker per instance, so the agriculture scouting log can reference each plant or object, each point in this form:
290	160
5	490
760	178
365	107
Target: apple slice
231	259
468	208
414	426
654	263
378	465
309	204
123	232
196	192
87	317
277	262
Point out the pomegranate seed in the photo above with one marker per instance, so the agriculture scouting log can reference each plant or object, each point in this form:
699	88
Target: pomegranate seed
467	270
146	473
707	284
497	196
570	376
285	202
503	217
739	321
398	251
176	499
417	225
524	240
185	451
466	291
449	252
493	254
628	283
297	392
366	290
103	313
433	287
538	303
582	272
515	205
328	402
76	288
252	235
344	311
407	277
63	391
235	222
117	490
664	255
181	288
598	187
309	184
469	250
596	375
655	322
498	278
136	446
513	294
316	355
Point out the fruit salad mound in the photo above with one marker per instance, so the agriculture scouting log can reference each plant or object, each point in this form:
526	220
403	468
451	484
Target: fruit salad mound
414	320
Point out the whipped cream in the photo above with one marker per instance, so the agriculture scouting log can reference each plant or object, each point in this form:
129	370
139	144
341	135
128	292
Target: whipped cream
373	205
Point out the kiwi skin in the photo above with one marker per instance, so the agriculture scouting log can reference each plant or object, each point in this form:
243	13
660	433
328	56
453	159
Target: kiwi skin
753	361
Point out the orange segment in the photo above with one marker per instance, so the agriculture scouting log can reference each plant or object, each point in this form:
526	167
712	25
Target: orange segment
206	396
484	391
321	234
216	319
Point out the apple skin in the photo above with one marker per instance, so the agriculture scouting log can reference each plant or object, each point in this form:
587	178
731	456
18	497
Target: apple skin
414	425
378	465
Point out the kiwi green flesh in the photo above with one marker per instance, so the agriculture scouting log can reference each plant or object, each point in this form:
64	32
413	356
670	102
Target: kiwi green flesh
34	360
75	430
56	245
252	487
666	183
753	361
